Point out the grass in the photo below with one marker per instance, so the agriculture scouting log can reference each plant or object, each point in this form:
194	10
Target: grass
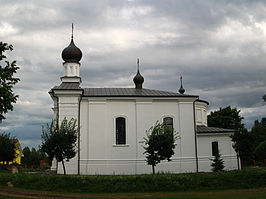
249	178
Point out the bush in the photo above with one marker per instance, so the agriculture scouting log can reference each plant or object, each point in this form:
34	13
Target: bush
252	178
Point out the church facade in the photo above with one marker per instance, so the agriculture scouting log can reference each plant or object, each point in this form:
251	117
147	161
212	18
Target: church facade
113	123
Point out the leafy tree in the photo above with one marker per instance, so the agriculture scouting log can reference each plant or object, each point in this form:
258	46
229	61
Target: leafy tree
7	148
260	151
159	144
59	142
230	118
32	157
7	81
259	131
217	163
264	98
226	118
243	143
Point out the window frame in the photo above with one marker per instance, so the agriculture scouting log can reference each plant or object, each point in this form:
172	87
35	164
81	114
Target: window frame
173	120
215	150
115	144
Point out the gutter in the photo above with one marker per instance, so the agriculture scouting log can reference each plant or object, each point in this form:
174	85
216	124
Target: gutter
79	134
195	131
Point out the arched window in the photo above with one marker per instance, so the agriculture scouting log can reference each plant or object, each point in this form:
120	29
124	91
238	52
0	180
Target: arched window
120	126
215	149
168	121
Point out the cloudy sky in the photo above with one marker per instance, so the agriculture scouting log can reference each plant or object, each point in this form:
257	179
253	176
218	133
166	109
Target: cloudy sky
218	46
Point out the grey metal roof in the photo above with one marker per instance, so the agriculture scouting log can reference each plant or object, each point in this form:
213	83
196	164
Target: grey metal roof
206	129
118	92
68	86
129	92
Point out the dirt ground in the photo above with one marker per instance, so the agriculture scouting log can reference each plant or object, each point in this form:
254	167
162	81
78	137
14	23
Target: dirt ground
11	192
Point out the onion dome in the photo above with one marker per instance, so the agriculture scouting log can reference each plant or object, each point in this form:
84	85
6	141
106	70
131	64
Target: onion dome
71	53
138	79
181	90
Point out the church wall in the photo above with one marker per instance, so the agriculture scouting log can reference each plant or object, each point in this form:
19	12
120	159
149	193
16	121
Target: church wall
201	113
187	136
68	108
100	154
225	147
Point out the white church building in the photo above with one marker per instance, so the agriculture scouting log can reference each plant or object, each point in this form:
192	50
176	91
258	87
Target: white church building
113	122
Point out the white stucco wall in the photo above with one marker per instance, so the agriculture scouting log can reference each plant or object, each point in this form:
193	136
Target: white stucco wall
226	150
100	154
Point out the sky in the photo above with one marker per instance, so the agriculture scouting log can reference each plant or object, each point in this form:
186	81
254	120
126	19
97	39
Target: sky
219	47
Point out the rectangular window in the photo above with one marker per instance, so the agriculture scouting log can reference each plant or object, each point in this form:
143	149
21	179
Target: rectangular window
120	130
168	121
214	148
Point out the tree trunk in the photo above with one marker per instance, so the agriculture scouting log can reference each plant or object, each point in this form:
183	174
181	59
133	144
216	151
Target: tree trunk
153	169
64	167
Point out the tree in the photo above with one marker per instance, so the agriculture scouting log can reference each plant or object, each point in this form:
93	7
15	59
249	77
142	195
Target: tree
7	81
59	142
243	143
230	118
264	98
7	148
260	151
218	163
32	158
159	144
259	131
226	118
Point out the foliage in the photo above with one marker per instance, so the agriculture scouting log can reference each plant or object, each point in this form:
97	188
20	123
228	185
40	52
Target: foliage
226	118
251	178
7	81
243	143
217	163
59	142
264	98
32	157
260	151
7	148
159	144
259	131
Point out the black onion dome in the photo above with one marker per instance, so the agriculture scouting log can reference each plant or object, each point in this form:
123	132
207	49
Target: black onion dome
138	80
71	53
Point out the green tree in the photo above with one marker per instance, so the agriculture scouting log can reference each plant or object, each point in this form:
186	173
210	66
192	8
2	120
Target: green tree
230	118
243	143
260	151
217	163
259	131
59	142
7	148
32	157
159	144
7	81
226	118
264	98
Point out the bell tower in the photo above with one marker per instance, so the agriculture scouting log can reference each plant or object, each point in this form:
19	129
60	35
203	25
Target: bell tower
71	56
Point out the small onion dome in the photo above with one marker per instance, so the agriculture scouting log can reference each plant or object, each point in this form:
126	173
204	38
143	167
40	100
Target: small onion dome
138	80
181	90
71	53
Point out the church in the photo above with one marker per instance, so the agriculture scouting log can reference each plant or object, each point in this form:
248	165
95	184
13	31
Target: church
113	122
